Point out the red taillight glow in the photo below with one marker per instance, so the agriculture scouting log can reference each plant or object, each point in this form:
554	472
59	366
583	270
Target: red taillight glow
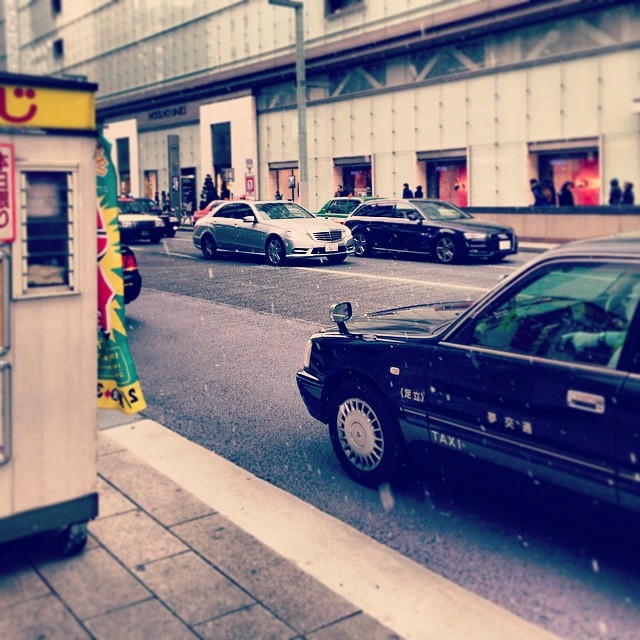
129	262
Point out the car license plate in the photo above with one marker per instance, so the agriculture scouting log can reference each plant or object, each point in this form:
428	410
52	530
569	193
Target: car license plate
504	245
331	246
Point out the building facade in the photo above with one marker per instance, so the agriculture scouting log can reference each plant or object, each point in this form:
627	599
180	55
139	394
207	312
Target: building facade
470	99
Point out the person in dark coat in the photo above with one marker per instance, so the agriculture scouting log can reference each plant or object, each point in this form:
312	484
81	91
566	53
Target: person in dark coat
549	192
406	192
539	199
615	194
565	197
418	193
627	193
209	192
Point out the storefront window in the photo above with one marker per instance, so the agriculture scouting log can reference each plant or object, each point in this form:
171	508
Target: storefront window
447	180
580	168
356	180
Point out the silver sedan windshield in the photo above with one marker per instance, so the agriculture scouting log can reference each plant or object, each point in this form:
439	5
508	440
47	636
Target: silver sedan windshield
282	210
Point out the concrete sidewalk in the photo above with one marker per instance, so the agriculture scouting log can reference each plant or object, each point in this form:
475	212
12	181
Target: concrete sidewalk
162	562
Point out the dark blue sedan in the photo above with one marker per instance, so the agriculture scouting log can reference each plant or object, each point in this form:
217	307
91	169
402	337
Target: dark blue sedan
434	228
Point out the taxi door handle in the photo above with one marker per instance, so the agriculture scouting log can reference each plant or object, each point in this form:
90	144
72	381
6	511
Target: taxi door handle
585	401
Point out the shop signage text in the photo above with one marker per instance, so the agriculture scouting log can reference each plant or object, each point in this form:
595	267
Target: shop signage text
7	193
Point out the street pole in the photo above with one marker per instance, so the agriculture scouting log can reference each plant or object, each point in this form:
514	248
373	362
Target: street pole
301	99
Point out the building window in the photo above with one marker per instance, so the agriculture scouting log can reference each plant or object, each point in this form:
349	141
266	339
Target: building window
56	6
334	7
124	166
447	180
58	48
47	243
580	168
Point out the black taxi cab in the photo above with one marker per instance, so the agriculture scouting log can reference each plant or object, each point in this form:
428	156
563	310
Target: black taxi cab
537	383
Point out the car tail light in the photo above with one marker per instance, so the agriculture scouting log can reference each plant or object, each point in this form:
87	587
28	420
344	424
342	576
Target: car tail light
129	262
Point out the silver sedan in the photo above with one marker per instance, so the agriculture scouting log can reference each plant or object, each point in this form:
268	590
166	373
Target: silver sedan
276	229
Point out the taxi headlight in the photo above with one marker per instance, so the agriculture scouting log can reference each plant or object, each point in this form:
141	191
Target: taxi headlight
158	222
126	224
306	361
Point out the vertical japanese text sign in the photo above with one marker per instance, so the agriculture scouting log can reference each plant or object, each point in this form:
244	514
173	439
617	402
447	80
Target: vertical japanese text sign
7	193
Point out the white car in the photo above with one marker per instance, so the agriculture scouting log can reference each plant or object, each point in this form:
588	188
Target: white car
274	228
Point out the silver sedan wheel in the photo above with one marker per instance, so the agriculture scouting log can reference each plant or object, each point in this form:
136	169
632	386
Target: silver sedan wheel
360	434
275	251
446	250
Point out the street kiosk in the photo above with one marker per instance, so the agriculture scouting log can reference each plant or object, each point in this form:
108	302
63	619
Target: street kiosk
48	248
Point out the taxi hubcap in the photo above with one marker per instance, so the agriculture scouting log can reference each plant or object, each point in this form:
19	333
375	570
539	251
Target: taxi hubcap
360	434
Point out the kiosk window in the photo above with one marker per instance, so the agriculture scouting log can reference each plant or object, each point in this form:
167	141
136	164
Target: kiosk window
47	231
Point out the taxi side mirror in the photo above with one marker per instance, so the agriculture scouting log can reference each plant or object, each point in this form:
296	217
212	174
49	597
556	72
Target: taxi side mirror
340	313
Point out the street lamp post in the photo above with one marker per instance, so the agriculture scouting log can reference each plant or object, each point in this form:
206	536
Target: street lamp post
301	98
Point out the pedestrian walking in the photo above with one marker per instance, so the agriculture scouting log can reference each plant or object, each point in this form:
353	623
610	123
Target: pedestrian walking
615	193
627	193
565	197
406	192
418	193
165	201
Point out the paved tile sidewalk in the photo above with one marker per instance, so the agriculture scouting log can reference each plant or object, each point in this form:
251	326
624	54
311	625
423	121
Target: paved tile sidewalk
160	563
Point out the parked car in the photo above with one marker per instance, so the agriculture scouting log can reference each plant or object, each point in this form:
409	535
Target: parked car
537	384
136	224
170	219
201	213
279	230
339	208
130	274
432	227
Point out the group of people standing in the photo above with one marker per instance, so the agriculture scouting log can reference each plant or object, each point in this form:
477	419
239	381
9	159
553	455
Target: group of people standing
622	195
407	193
544	193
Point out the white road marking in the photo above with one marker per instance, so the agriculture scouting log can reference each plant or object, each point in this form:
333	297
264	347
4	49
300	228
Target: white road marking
403	595
371	276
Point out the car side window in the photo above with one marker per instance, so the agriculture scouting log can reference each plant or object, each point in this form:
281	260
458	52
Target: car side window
569	312
241	211
366	210
383	211
225	212
408	213
350	205
335	207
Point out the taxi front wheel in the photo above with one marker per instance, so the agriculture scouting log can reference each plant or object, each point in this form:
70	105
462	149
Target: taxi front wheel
364	435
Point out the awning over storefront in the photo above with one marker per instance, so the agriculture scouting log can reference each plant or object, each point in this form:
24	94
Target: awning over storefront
286	164
573	144
442	154
352	161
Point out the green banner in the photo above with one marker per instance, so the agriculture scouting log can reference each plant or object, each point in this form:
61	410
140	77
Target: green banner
118	384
